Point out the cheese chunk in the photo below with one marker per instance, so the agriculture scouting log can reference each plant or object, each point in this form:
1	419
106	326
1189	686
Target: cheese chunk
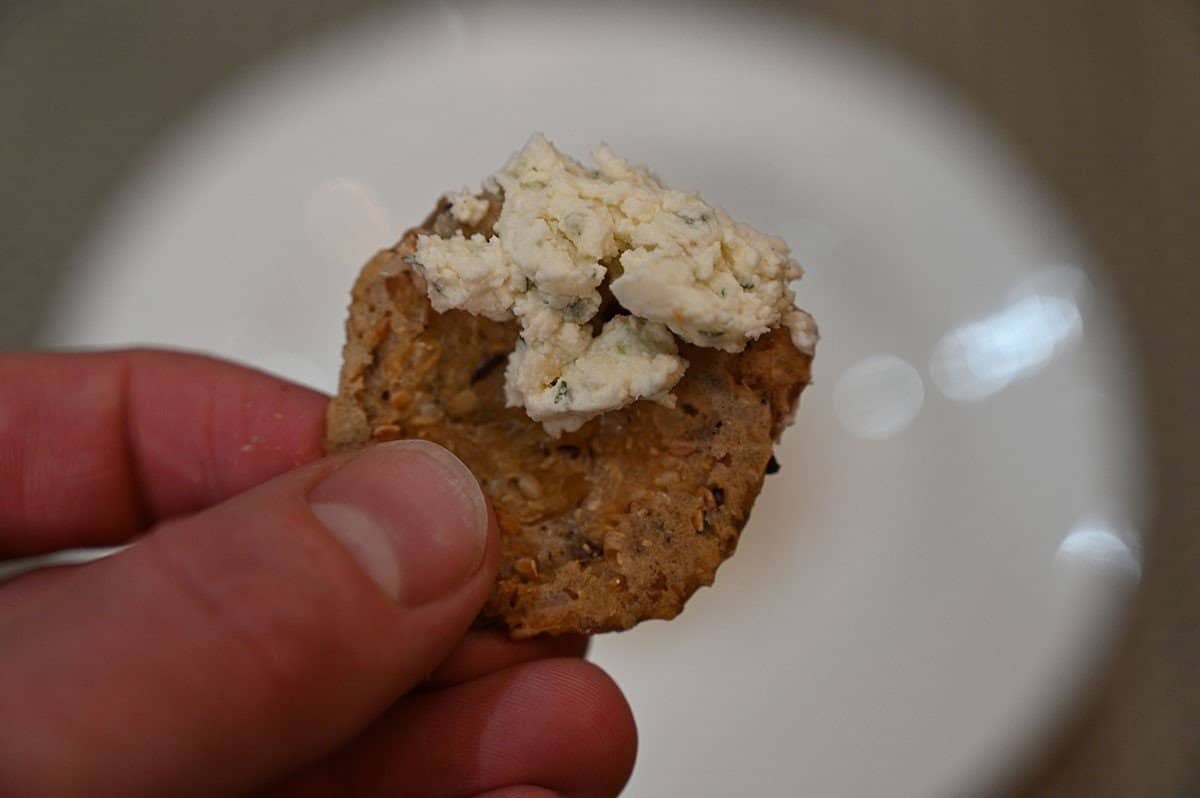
675	263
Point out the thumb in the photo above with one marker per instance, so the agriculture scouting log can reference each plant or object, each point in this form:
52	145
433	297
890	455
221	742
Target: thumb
224	649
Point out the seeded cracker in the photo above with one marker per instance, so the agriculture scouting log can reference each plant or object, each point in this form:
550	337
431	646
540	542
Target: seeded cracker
614	523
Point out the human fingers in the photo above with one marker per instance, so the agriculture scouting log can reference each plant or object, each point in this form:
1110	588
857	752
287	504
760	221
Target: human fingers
95	447
560	724
520	791
231	646
485	651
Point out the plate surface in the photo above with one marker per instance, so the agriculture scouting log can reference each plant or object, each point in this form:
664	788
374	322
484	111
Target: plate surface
954	532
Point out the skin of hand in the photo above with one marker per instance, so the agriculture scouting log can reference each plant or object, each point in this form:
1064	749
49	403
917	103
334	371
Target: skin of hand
282	624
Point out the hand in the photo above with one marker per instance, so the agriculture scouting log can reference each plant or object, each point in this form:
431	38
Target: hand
287	625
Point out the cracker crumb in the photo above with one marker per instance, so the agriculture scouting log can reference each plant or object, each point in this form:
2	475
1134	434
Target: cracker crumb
462	403
386	431
666	478
614	542
681	448
529	486
526	567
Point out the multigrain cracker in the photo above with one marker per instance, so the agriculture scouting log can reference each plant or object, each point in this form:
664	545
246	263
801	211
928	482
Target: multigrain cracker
617	522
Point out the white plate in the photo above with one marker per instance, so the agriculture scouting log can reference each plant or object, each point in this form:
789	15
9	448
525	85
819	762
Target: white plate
955	527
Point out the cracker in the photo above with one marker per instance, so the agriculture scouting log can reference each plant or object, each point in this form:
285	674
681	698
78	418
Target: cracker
616	523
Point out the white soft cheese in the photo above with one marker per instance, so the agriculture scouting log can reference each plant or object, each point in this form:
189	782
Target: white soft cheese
470	274
467	208
803	329
677	264
630	359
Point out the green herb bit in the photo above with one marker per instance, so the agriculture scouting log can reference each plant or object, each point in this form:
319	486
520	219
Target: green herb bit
572	225
576	310
562	392
713	333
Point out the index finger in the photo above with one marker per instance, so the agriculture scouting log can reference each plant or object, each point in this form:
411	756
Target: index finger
95	447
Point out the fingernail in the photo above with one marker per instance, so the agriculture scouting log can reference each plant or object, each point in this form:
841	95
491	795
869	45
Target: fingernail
411	514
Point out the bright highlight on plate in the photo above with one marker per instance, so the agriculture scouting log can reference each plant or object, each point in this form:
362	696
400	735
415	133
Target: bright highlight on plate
979	359
878	397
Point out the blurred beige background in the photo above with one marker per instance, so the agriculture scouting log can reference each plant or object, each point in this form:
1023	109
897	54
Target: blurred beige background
1102	98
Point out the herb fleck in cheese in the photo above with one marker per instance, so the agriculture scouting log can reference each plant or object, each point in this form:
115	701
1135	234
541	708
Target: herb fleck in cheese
571	378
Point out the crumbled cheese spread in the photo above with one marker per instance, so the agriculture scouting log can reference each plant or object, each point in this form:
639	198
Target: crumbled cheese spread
466	208
673	262
577	377
803	329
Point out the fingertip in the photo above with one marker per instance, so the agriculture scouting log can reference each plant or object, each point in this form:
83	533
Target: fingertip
560	724
412	515
587	744
485	651
606	722
521	791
